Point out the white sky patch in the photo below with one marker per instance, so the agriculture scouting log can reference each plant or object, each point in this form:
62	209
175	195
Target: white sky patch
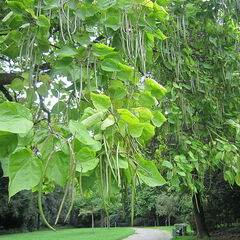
51	100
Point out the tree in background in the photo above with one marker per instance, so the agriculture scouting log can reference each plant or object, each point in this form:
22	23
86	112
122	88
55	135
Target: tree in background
166	205
199	65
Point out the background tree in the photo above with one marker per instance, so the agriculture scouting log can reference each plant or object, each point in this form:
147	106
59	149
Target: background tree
166	206
199	65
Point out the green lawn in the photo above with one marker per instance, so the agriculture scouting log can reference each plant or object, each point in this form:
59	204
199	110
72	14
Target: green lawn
73	234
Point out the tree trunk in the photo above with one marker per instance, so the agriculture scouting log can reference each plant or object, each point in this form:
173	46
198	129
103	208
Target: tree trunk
199	216
169	220
92	220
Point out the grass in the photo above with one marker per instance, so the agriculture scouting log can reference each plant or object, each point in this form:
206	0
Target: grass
73	234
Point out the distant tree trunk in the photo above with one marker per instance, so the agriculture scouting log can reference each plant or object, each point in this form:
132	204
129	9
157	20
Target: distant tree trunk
92	220
199	216
38	221
157	220
169	220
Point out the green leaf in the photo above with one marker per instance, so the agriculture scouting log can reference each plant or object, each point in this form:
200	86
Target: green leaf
127	116
156	89
109	121
159	34
16	6
43	90
101	101
92	120
14	36
81	133
146	99
31	95
167	164
148	131
86	160
59	107
51	4
158	118
17	84
147	3
136	129
66	52
25	171
144	113
11	51
82	38
47	146
43	21
123	163
110	65
112	22
160	12
15	118
181	173
100	49
8	143
58	168
104	4
126	73
149	173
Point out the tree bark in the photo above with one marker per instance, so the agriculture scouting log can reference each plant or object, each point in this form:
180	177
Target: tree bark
92	220
199	216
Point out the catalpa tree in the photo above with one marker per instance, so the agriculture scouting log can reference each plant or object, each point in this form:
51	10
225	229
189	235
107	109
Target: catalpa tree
76	106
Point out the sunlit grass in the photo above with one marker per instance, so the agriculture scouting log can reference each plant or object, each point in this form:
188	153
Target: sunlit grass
73	234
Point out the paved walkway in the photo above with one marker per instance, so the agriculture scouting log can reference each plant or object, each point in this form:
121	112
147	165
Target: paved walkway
149	234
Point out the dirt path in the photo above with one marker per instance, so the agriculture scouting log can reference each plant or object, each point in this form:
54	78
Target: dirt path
149	234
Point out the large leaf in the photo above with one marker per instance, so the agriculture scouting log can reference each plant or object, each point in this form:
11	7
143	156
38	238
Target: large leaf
109	121
136	129
110	65
146	99
8	143
43	21
101	101
92	120
81	133
148	131
149	173
47	146
15	118
25	171
11	51
127	116
112	22
86	160
67	52
100	49
144	113
156	89
58	168
158	119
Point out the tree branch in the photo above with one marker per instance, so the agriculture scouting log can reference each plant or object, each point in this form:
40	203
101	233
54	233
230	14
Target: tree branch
6	78
6	93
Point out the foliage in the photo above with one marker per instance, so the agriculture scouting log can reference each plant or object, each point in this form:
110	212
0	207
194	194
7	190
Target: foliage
74	99
166	206
200	68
